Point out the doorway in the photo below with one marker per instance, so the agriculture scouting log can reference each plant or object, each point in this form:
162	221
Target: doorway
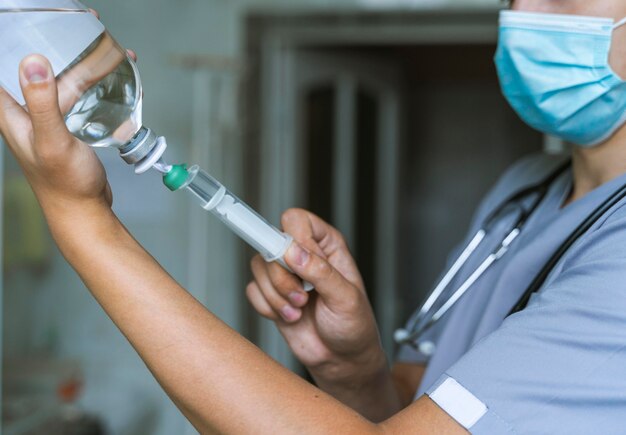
391	127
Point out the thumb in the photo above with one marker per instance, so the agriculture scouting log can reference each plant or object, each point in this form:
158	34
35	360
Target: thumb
40	92
329	283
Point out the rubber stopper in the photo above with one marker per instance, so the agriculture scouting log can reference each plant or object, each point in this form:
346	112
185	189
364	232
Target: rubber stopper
176	178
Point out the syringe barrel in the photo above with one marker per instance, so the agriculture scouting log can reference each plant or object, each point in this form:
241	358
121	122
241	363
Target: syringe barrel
270	242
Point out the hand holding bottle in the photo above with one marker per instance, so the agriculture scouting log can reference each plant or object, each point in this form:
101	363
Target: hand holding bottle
61	169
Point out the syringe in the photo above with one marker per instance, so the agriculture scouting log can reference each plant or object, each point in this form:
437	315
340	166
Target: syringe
271	243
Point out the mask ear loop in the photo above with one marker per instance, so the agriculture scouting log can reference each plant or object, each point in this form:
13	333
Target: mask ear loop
619	23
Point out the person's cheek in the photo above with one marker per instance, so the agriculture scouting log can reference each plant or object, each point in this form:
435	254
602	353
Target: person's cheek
617	57
541	6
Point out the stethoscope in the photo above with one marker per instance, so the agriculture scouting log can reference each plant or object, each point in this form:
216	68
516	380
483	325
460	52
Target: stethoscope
423	320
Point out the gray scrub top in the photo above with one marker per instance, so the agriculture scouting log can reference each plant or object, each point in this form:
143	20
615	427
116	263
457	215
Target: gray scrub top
559	366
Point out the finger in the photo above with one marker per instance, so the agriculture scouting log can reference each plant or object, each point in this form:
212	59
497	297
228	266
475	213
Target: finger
329	283
322	239
98	64
41	95
259	302
132	54
279	304
298	224
287	285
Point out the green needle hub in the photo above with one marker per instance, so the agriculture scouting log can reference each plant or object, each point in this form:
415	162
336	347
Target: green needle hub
176	178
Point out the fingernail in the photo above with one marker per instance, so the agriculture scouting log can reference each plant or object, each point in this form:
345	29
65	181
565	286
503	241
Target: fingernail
289	313
299	255
297	298
35	70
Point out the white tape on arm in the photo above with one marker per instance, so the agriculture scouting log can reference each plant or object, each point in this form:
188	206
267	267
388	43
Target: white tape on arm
459	403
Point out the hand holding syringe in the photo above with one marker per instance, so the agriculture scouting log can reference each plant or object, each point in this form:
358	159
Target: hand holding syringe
271	243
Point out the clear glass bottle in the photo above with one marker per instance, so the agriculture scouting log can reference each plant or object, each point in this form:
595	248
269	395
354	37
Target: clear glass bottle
101	96
99	84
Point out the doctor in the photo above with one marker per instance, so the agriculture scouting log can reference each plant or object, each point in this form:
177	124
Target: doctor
558	366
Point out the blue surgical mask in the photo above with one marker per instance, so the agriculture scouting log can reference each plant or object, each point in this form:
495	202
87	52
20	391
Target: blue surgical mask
554	71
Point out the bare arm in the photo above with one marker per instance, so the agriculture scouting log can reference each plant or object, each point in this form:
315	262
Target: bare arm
407	379
333	333
381	396
220	381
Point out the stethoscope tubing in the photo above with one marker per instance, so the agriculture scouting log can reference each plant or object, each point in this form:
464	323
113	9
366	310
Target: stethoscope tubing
401	335
582	229
420	323
454	270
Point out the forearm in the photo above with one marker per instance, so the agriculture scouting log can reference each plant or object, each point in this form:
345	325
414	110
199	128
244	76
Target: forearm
374	396
219	380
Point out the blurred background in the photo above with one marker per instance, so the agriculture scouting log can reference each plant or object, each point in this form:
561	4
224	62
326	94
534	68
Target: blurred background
382	116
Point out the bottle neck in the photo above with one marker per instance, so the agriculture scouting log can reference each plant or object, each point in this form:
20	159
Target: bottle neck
144	151
139	146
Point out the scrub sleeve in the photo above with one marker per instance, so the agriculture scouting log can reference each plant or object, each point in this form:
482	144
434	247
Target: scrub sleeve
559	366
